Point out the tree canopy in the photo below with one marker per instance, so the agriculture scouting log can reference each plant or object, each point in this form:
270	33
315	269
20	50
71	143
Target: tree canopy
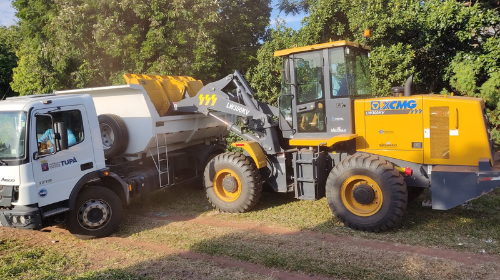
9	42
449	46
75	43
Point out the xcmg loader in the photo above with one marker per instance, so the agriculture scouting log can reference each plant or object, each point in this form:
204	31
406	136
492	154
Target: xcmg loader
328	136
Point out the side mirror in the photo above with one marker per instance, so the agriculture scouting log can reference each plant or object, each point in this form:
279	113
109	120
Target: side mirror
36	156
286	70
61	136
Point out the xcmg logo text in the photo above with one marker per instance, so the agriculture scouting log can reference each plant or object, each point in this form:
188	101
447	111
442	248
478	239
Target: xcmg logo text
393	105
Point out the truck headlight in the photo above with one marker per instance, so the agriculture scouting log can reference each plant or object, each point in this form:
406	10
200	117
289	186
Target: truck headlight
21	220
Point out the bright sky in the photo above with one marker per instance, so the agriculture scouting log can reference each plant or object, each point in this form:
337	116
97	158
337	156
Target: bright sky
7	15
291	21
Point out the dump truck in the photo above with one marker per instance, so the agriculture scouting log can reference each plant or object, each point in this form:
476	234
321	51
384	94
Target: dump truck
328	137
120	139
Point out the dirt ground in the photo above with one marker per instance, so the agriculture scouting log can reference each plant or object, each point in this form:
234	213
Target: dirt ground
143	252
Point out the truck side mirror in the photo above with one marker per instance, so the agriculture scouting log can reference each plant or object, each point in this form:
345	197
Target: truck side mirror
61	136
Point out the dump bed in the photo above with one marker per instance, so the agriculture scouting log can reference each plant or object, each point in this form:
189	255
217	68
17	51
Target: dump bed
145	126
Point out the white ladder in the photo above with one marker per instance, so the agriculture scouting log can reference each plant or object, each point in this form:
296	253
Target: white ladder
158	158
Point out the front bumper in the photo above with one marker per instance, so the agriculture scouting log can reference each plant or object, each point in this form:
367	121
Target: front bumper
23	217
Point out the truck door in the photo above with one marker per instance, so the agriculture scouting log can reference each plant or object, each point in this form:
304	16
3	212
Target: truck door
57	172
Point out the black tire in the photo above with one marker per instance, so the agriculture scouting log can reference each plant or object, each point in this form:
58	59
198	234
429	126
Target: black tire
114	135
94	199
239	170
414	192
372	175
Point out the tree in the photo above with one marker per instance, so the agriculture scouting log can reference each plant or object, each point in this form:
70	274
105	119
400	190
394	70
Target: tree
9	42
449	46
76	43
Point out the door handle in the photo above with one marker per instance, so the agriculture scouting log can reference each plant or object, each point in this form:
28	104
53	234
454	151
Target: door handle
302	108
86	166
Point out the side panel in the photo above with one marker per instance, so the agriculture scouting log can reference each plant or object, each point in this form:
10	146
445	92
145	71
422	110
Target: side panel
392	127
455	132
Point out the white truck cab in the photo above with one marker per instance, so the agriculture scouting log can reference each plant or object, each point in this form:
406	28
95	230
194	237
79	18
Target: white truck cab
39	179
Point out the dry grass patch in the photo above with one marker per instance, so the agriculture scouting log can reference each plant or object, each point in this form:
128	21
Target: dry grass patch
300	253
34	256
473	227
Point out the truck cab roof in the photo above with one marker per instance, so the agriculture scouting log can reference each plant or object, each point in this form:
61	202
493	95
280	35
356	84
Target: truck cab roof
24	103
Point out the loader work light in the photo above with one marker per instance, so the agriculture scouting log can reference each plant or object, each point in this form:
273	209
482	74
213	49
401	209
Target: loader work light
366	33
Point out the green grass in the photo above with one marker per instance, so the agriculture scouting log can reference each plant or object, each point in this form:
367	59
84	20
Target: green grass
301	253
21	261
473	227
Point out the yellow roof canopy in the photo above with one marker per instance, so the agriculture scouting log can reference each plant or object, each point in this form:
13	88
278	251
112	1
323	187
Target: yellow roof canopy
319	46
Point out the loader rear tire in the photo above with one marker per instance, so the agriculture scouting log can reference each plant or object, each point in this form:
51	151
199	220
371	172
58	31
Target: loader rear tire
366	193
114	135
232	183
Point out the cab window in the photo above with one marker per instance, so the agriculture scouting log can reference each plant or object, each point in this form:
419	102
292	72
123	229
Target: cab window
338	73
45	134
309	73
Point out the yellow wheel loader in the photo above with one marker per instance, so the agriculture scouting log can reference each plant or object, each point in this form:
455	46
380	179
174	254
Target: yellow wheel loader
330	137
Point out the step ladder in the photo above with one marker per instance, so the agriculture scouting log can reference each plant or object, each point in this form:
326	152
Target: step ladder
161	145
309	174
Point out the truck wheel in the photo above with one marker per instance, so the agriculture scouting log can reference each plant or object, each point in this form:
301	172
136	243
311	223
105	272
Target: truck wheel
97	213
366	193
232	183
114	135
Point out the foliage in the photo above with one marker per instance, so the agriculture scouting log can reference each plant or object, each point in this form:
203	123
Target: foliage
265	77
76	43
448	46
9	42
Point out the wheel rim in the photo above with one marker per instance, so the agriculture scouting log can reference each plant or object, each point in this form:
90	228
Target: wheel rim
94	214
107	136
223	193
349	201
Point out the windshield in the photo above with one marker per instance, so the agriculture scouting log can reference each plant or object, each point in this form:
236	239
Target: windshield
12	136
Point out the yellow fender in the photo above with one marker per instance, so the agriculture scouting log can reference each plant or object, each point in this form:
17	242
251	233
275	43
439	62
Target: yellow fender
254	150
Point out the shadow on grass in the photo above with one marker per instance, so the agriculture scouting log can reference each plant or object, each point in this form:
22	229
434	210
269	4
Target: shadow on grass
186	202
472	227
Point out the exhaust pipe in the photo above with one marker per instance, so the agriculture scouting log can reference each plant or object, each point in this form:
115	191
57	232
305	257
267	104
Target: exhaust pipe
408	86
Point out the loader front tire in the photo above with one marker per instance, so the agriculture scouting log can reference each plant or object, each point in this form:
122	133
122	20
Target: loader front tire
232	183
366	193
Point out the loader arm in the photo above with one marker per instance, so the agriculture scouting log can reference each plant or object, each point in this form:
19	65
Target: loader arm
258	126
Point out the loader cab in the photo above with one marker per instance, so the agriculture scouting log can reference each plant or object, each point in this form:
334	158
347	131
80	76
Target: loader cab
318	87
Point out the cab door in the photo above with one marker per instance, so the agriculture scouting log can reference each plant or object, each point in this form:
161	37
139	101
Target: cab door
57	172
310	95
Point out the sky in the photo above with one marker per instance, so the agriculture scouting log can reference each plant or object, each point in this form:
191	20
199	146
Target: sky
291	21
7	15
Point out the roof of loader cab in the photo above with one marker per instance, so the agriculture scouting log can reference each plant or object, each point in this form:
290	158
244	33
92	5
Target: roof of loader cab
320	46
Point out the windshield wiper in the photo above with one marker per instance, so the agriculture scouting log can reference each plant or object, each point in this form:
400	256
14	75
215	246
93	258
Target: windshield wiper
3	163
